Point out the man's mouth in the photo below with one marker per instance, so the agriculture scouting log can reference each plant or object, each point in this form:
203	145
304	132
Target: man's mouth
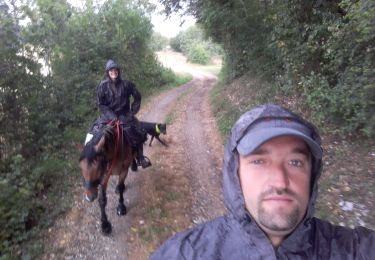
278	198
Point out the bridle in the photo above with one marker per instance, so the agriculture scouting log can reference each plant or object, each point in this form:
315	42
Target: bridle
91	184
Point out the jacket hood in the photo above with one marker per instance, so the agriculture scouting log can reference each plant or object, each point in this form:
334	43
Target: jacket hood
233	196
112	65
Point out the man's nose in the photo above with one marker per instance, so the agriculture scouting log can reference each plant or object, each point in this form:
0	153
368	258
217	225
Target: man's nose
279	177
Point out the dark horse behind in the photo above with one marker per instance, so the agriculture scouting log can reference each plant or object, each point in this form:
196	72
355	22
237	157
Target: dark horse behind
108	153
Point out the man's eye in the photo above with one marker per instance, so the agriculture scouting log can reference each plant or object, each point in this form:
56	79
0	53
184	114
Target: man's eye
296	163
258	161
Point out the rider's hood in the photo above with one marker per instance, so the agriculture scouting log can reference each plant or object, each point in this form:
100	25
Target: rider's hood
253	129
112	65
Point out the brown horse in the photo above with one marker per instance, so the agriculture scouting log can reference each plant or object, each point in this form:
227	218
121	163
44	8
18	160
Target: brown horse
108	153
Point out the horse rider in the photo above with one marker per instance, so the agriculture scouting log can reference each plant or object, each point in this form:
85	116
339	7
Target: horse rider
113	99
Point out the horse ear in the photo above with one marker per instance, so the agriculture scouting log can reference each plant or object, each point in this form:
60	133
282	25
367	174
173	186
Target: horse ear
100	144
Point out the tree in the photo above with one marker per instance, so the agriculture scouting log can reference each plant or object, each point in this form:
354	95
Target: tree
323	50
52	56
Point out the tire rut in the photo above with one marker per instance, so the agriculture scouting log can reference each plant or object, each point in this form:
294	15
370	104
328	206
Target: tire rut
203	169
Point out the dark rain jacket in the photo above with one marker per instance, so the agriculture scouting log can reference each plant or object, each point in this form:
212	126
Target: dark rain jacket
114	99
237	236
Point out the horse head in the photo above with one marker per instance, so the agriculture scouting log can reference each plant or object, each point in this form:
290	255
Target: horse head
93	164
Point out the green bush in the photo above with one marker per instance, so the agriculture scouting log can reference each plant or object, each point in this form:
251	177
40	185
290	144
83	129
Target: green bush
158	42
20	203
195	46
176	43
198	53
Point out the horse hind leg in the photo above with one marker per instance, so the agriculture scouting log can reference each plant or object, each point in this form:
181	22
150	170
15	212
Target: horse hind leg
121	209
106	225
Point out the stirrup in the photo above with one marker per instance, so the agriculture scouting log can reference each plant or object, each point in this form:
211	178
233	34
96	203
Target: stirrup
144	162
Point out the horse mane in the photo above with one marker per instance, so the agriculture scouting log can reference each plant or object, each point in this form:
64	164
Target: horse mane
89	151
109	133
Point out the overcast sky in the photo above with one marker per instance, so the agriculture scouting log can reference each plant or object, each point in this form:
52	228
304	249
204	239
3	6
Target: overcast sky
171	26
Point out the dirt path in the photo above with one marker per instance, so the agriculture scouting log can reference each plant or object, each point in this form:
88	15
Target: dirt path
182	188
203	166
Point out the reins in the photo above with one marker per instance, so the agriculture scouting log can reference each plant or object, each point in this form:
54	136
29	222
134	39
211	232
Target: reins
117	145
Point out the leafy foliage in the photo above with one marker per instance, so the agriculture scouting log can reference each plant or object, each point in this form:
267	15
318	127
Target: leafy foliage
51	63
158	41
197	53
323	50
193	44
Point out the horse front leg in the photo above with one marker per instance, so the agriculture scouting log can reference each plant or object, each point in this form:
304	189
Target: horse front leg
106	225
121	209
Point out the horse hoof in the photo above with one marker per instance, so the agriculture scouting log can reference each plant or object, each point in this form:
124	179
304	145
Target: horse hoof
120	189
106	228
121	210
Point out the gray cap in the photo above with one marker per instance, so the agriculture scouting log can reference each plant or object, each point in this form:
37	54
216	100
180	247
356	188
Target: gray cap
274	125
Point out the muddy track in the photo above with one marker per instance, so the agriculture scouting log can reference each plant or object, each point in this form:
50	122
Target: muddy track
202	165
77	234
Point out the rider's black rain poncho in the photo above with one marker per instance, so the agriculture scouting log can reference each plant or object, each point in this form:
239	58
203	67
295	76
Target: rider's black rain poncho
237	236
113	98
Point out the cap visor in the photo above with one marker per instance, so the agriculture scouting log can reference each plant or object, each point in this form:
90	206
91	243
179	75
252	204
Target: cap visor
256	138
